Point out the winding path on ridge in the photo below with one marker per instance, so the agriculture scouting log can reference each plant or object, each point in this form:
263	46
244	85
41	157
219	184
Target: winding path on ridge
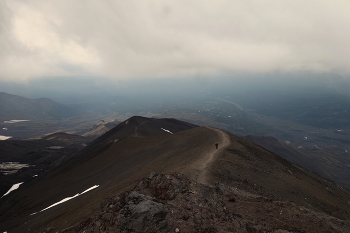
137	127
208	158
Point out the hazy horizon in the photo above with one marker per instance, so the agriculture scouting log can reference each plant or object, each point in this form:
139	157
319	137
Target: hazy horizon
62	49
67	90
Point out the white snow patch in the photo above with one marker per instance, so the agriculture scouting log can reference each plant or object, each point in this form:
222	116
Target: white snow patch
14	121
11	167
67	199
89	189
14	187
2	137
166	130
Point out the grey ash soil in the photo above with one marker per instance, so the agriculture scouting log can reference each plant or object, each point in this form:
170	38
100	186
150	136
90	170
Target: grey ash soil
207	159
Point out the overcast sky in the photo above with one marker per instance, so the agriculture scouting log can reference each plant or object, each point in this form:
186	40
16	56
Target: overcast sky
130	39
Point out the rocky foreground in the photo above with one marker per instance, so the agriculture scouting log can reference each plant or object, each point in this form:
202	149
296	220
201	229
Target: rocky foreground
174	203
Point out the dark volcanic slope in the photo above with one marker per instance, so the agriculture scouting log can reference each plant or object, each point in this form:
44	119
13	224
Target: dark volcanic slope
39	154
252	168
317	160
135	148
145	127
112	160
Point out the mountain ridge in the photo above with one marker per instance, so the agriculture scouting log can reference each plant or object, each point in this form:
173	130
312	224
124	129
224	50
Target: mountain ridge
119	159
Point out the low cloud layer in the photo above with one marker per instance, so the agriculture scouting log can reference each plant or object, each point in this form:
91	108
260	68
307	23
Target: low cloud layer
140	39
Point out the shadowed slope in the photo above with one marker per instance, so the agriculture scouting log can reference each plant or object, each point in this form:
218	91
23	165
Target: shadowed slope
319	159
250	167
39	154
145	127
115	164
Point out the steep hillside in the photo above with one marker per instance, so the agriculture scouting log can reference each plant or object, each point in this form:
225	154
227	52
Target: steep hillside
113	159
250	167
109	171
320	159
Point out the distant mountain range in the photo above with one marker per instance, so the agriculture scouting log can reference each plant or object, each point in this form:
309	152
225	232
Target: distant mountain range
23	118
165	175
17	107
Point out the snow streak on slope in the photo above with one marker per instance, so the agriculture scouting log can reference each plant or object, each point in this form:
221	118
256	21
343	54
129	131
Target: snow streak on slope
4	137
67	199
14	187
14	121
167	130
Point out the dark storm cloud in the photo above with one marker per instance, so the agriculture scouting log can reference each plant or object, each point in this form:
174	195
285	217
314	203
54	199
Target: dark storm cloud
142	39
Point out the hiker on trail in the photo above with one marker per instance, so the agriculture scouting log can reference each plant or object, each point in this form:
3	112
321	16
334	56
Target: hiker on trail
216	145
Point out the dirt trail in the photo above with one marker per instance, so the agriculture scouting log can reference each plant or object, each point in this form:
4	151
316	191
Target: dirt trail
204	163
137	127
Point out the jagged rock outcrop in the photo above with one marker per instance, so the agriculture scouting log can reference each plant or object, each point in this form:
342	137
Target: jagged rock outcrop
174	203
164	203
100	128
